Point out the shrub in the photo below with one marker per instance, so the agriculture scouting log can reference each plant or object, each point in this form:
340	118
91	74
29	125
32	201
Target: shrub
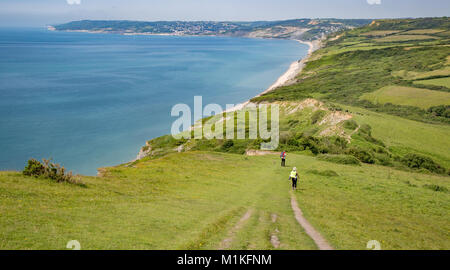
383	159
317	116
441	110
180	141
365	128
227	144
285	136
361	154
368	137
416	161
310	132
50	170
34	168
350	124
340	159
293	122
340	142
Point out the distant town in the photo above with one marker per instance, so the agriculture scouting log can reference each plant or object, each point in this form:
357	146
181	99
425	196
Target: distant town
305	29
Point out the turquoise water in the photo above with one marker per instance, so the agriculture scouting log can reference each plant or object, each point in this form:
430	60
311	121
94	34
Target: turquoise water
92	100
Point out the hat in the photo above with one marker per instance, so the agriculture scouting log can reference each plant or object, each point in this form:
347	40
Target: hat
295	168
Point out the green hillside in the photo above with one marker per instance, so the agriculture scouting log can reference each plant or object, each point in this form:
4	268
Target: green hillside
193	200
366	123
386	53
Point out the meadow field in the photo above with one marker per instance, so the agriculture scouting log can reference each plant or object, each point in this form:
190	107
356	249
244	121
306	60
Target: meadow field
402	95
193	200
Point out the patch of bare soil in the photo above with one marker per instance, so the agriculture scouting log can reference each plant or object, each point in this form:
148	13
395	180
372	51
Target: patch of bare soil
259	153
274	240
321	243
226	243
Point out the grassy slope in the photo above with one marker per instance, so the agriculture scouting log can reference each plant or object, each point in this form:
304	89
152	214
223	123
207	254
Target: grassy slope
438	82
367	59
178	202
372	202
403	135
174	202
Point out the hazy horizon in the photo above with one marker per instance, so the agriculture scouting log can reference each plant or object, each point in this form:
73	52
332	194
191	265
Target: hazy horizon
48	12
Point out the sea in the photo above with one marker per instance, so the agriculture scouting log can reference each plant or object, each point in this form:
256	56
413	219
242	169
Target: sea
92	100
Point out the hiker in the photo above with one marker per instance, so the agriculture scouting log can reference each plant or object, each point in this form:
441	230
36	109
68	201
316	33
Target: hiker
294	176
283	159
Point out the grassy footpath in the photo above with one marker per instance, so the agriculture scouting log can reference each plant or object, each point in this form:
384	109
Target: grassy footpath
193	200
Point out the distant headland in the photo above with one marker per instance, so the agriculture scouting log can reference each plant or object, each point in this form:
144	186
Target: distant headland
304	29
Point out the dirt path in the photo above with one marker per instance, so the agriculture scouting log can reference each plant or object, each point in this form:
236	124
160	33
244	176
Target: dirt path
321	243
226	243
274	240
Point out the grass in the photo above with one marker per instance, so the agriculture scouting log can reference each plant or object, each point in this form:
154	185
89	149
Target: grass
402	135
193	200
402	38
375	203
380	33
179	201
409	96
437	82
409	75
423	31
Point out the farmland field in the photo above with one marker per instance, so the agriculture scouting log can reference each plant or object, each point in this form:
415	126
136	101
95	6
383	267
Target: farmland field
419	97
438	82
398	38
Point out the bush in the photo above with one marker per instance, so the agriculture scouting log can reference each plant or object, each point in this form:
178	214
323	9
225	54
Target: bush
350	124
340	159
415	161
50	170
317	116
365	128
227	144
441	110
383	159
368	137
361	154
285	137
34	168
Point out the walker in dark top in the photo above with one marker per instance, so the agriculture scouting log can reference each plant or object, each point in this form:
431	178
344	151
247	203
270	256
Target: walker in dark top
283	159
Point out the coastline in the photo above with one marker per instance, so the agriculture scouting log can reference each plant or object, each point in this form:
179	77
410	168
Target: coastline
286	78
294	69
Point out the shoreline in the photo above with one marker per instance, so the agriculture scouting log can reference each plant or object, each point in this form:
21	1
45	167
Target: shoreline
287	77
294	69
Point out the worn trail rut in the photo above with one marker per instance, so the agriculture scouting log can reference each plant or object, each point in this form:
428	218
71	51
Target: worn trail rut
321	243
226	243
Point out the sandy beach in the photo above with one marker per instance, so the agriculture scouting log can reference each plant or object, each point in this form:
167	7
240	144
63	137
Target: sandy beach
294	69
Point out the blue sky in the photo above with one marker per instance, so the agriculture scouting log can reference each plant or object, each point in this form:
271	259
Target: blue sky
43	12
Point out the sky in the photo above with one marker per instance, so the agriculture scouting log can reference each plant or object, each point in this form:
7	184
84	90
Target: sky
48	12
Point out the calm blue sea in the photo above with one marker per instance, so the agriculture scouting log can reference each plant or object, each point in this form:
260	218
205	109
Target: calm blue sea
92	100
